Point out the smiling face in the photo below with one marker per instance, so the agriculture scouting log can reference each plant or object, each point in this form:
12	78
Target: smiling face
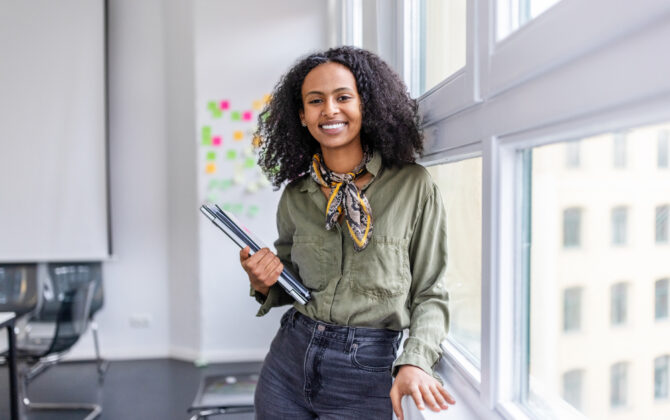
332	107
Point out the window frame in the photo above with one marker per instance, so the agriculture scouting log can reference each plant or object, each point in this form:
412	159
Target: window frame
500	121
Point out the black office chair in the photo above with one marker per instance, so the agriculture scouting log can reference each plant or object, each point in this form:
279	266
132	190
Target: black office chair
67	292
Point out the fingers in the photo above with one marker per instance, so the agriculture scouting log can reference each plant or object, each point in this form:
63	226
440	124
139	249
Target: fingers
395	402
446	395
439	398
416	395
244	253
428	398
263	267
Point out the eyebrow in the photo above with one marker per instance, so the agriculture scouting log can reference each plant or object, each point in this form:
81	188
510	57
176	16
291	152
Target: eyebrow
316	92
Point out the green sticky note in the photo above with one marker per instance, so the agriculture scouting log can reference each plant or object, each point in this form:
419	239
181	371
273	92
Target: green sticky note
217	113
249	163
252	211
235	116
207	135
227	206
212	105
226	183
237	208
211	155
231	154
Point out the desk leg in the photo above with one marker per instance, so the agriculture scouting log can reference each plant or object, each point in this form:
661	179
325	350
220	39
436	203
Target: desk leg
13	382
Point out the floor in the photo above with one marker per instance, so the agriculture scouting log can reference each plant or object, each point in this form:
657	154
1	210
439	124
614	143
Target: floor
160	389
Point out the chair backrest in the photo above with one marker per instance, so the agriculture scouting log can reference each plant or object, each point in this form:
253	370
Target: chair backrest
20	291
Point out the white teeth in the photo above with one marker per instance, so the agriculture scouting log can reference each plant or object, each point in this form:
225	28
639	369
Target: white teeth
332	126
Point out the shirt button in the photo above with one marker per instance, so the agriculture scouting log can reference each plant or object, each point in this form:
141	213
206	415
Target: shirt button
321	328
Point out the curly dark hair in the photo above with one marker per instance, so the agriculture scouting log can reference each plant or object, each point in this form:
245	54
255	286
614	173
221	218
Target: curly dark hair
390	116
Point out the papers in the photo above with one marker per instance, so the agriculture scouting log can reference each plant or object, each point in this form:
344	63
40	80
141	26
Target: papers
242	236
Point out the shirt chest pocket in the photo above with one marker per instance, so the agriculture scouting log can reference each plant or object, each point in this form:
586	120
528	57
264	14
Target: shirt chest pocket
382	268
307	256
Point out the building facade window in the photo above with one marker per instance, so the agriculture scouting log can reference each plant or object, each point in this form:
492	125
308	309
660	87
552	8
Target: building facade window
619	150
662	225
663	156
572	226
572	309
661	377
661	299
572	387
572	154
619	385
619	225
619	304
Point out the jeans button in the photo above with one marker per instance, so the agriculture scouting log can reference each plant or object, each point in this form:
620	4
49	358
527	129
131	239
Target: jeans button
321	327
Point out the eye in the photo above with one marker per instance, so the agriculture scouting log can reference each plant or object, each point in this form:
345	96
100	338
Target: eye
344	98
314	101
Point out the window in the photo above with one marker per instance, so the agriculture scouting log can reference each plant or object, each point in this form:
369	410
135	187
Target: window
572	155
663	155
619	225
619	150
661	388
572	387
572	225
619	304
619	385
513	14
461	184
661	299
662	224
441	41
572	309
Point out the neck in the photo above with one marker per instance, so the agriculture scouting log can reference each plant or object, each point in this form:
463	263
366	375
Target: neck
343	160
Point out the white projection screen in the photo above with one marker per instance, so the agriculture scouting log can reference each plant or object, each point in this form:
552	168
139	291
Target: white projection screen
53	141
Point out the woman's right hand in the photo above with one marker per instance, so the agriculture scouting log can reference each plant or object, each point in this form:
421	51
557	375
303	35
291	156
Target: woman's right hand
263	268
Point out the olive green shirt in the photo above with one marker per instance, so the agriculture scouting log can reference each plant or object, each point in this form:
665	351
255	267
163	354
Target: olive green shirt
396	282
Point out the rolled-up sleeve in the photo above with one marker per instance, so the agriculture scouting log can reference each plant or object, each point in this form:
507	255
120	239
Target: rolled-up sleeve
285	228
429	314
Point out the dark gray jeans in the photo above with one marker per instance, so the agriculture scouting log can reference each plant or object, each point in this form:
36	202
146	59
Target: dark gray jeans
324	371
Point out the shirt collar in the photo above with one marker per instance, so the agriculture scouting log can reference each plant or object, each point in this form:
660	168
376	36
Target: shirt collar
373	166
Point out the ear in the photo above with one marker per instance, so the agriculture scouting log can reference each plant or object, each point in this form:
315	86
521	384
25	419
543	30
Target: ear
301	113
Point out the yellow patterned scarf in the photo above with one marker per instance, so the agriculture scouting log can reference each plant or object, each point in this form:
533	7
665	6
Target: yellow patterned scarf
345	195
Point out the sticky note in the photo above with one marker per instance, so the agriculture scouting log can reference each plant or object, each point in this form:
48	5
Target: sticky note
257	105
266	98
227	206
211	155
235	116
256	142
248	151
212	184
238	179
206	135
238	135
252	188
247	116
237	208
210	168
263	182
216	113
211	105
252	211
249	163
231	154
226	183
216	141
224	105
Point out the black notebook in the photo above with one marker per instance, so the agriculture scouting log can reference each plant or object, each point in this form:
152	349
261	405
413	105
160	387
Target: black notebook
243	237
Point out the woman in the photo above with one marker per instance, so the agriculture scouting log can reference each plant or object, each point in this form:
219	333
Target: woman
364	228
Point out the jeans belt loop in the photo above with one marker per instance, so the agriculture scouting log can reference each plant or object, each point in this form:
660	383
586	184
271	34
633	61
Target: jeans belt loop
350	339
294	315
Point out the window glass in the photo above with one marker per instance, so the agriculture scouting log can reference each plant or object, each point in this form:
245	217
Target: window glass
662	224
619	225
661	299
619	150
580	286
572	154
513	14
663	155
661	367
619	305
461	186
441	41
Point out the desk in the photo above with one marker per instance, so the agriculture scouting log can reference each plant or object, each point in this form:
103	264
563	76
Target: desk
7	321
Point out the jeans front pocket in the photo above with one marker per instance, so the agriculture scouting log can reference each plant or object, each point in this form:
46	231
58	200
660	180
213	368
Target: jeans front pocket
307	256
373	356
382	269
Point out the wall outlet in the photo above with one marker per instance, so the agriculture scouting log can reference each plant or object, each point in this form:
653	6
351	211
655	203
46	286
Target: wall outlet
140	320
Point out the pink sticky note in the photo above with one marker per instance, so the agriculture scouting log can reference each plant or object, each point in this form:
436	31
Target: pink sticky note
246	116
224	105
216	141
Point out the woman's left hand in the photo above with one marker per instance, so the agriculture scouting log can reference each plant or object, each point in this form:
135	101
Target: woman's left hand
413	381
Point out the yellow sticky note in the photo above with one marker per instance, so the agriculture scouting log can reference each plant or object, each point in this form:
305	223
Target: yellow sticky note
257	105
238	135
210	168
266	98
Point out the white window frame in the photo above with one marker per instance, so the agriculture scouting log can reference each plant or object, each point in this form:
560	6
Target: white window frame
521	94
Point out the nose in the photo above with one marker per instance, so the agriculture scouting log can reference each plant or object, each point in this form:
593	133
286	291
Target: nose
330	108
